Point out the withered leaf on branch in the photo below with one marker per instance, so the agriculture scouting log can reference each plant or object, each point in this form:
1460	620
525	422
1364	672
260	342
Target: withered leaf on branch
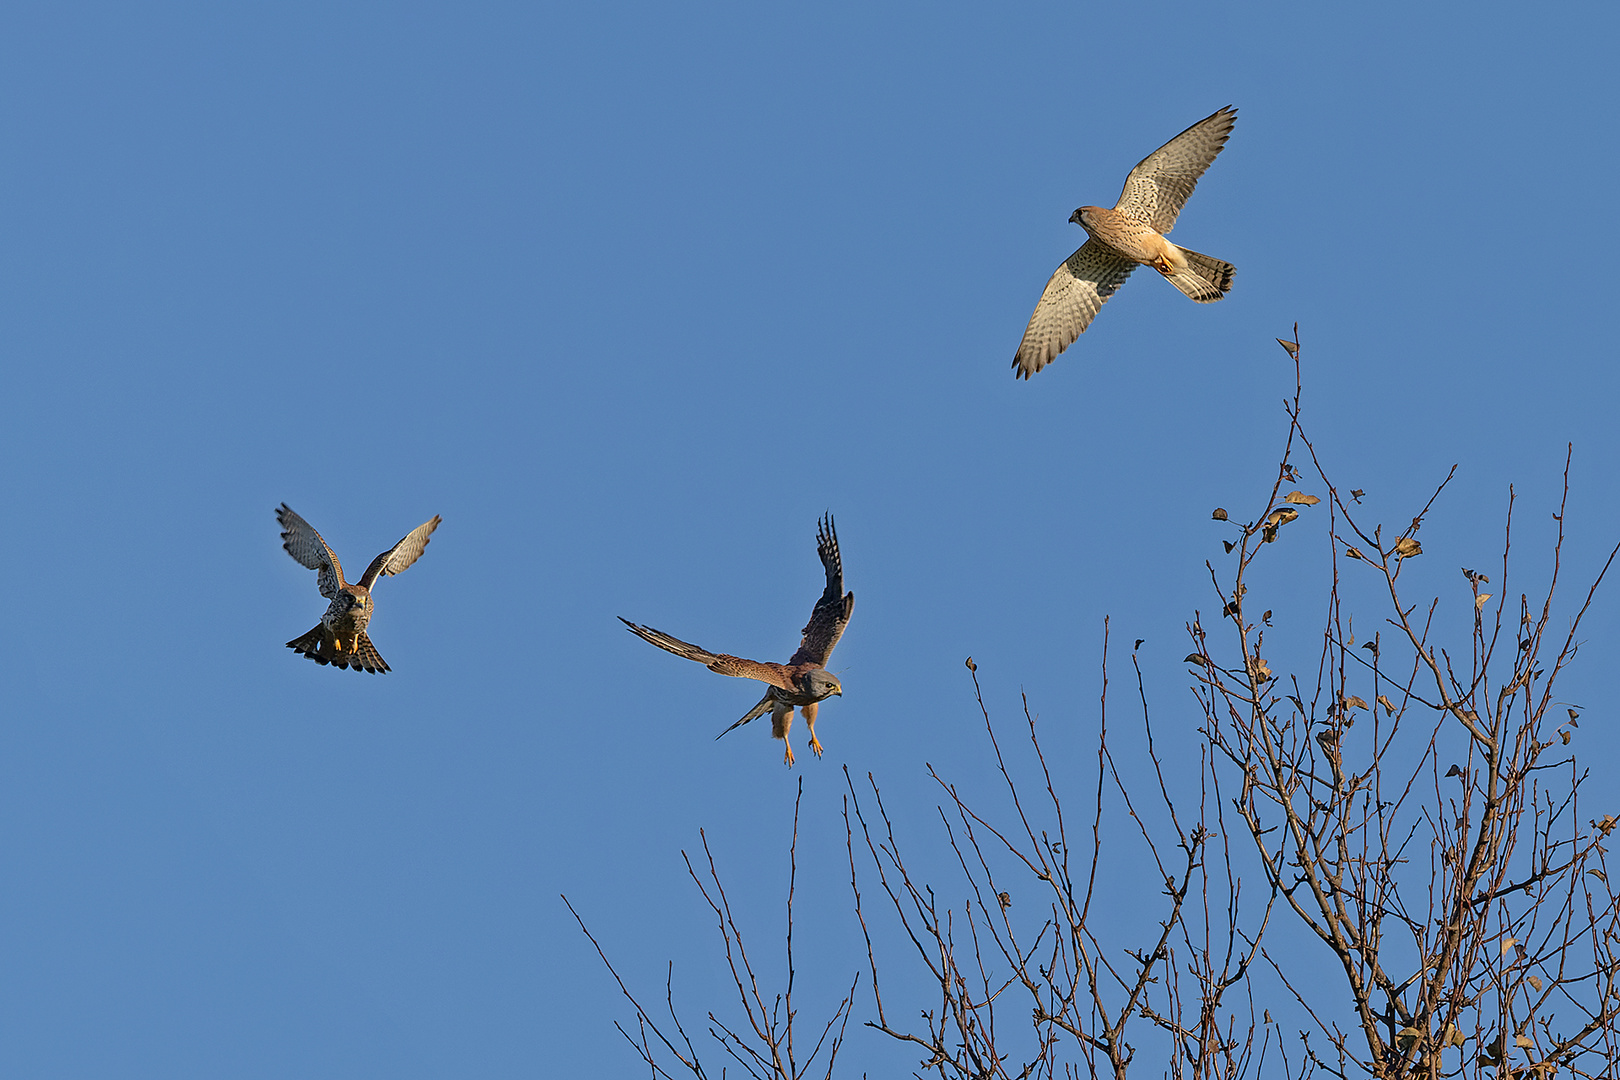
1455	770
1600	875
1299	498
1258	668
1268	534
1282	516
1573	716
1564	735
1228	545
1389	710
1535	982
1454	1037
1266	618
1354	553
1356	494
1508	943
1005	899
1605	824
971	666
1138	644
1194	658
1523	1041
1481	600
1328	739
1291	347
1352	702
1406	547
1219	514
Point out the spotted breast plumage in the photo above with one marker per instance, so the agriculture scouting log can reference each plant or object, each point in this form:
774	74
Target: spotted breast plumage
1131	234
340	637
803	682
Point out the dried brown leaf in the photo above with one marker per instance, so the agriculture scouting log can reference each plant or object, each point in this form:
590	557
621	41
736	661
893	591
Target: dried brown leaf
1219	514
1299	498
1406	547
1354	553
1389	710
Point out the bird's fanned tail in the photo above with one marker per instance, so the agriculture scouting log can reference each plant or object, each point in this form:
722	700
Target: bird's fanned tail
321	647
1205	279
753	714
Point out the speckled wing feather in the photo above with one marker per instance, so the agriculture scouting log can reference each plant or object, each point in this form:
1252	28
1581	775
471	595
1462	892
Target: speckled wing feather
723	663
305	544
831	613
401	555
1158	187
1076	292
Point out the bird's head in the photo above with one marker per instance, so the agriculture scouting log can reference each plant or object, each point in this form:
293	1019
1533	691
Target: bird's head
358	599
1079	217
823	684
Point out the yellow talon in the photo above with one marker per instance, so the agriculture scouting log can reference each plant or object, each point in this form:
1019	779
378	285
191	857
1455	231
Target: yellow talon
815	745
787	758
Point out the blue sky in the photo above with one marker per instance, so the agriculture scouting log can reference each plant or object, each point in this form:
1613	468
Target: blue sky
631	295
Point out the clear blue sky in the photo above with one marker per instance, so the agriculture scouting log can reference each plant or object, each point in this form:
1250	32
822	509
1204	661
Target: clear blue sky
631	294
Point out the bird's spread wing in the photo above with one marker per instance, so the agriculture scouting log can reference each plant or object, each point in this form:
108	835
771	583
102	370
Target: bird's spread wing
1076	292
305	544
775	674
399	557
1158	187
831	613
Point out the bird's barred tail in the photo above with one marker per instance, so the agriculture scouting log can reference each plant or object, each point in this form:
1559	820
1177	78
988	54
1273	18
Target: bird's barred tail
1205	279
320	647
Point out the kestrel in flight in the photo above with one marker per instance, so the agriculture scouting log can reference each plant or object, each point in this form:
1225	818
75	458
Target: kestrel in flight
803	681
1130	234
340	637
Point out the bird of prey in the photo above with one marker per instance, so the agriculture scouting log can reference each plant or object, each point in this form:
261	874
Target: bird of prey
1130	234
340	637
804	681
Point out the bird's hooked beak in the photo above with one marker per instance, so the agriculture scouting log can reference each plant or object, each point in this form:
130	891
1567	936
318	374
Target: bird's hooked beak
1074	218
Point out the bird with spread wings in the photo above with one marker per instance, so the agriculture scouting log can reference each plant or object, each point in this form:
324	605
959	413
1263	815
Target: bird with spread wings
804	681
340	637
1131	234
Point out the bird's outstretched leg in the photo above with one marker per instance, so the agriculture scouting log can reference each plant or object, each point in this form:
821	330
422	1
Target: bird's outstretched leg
809	712
781	721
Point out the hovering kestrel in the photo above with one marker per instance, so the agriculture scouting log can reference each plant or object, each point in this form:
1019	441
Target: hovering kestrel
804	680
1130	234
340	637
